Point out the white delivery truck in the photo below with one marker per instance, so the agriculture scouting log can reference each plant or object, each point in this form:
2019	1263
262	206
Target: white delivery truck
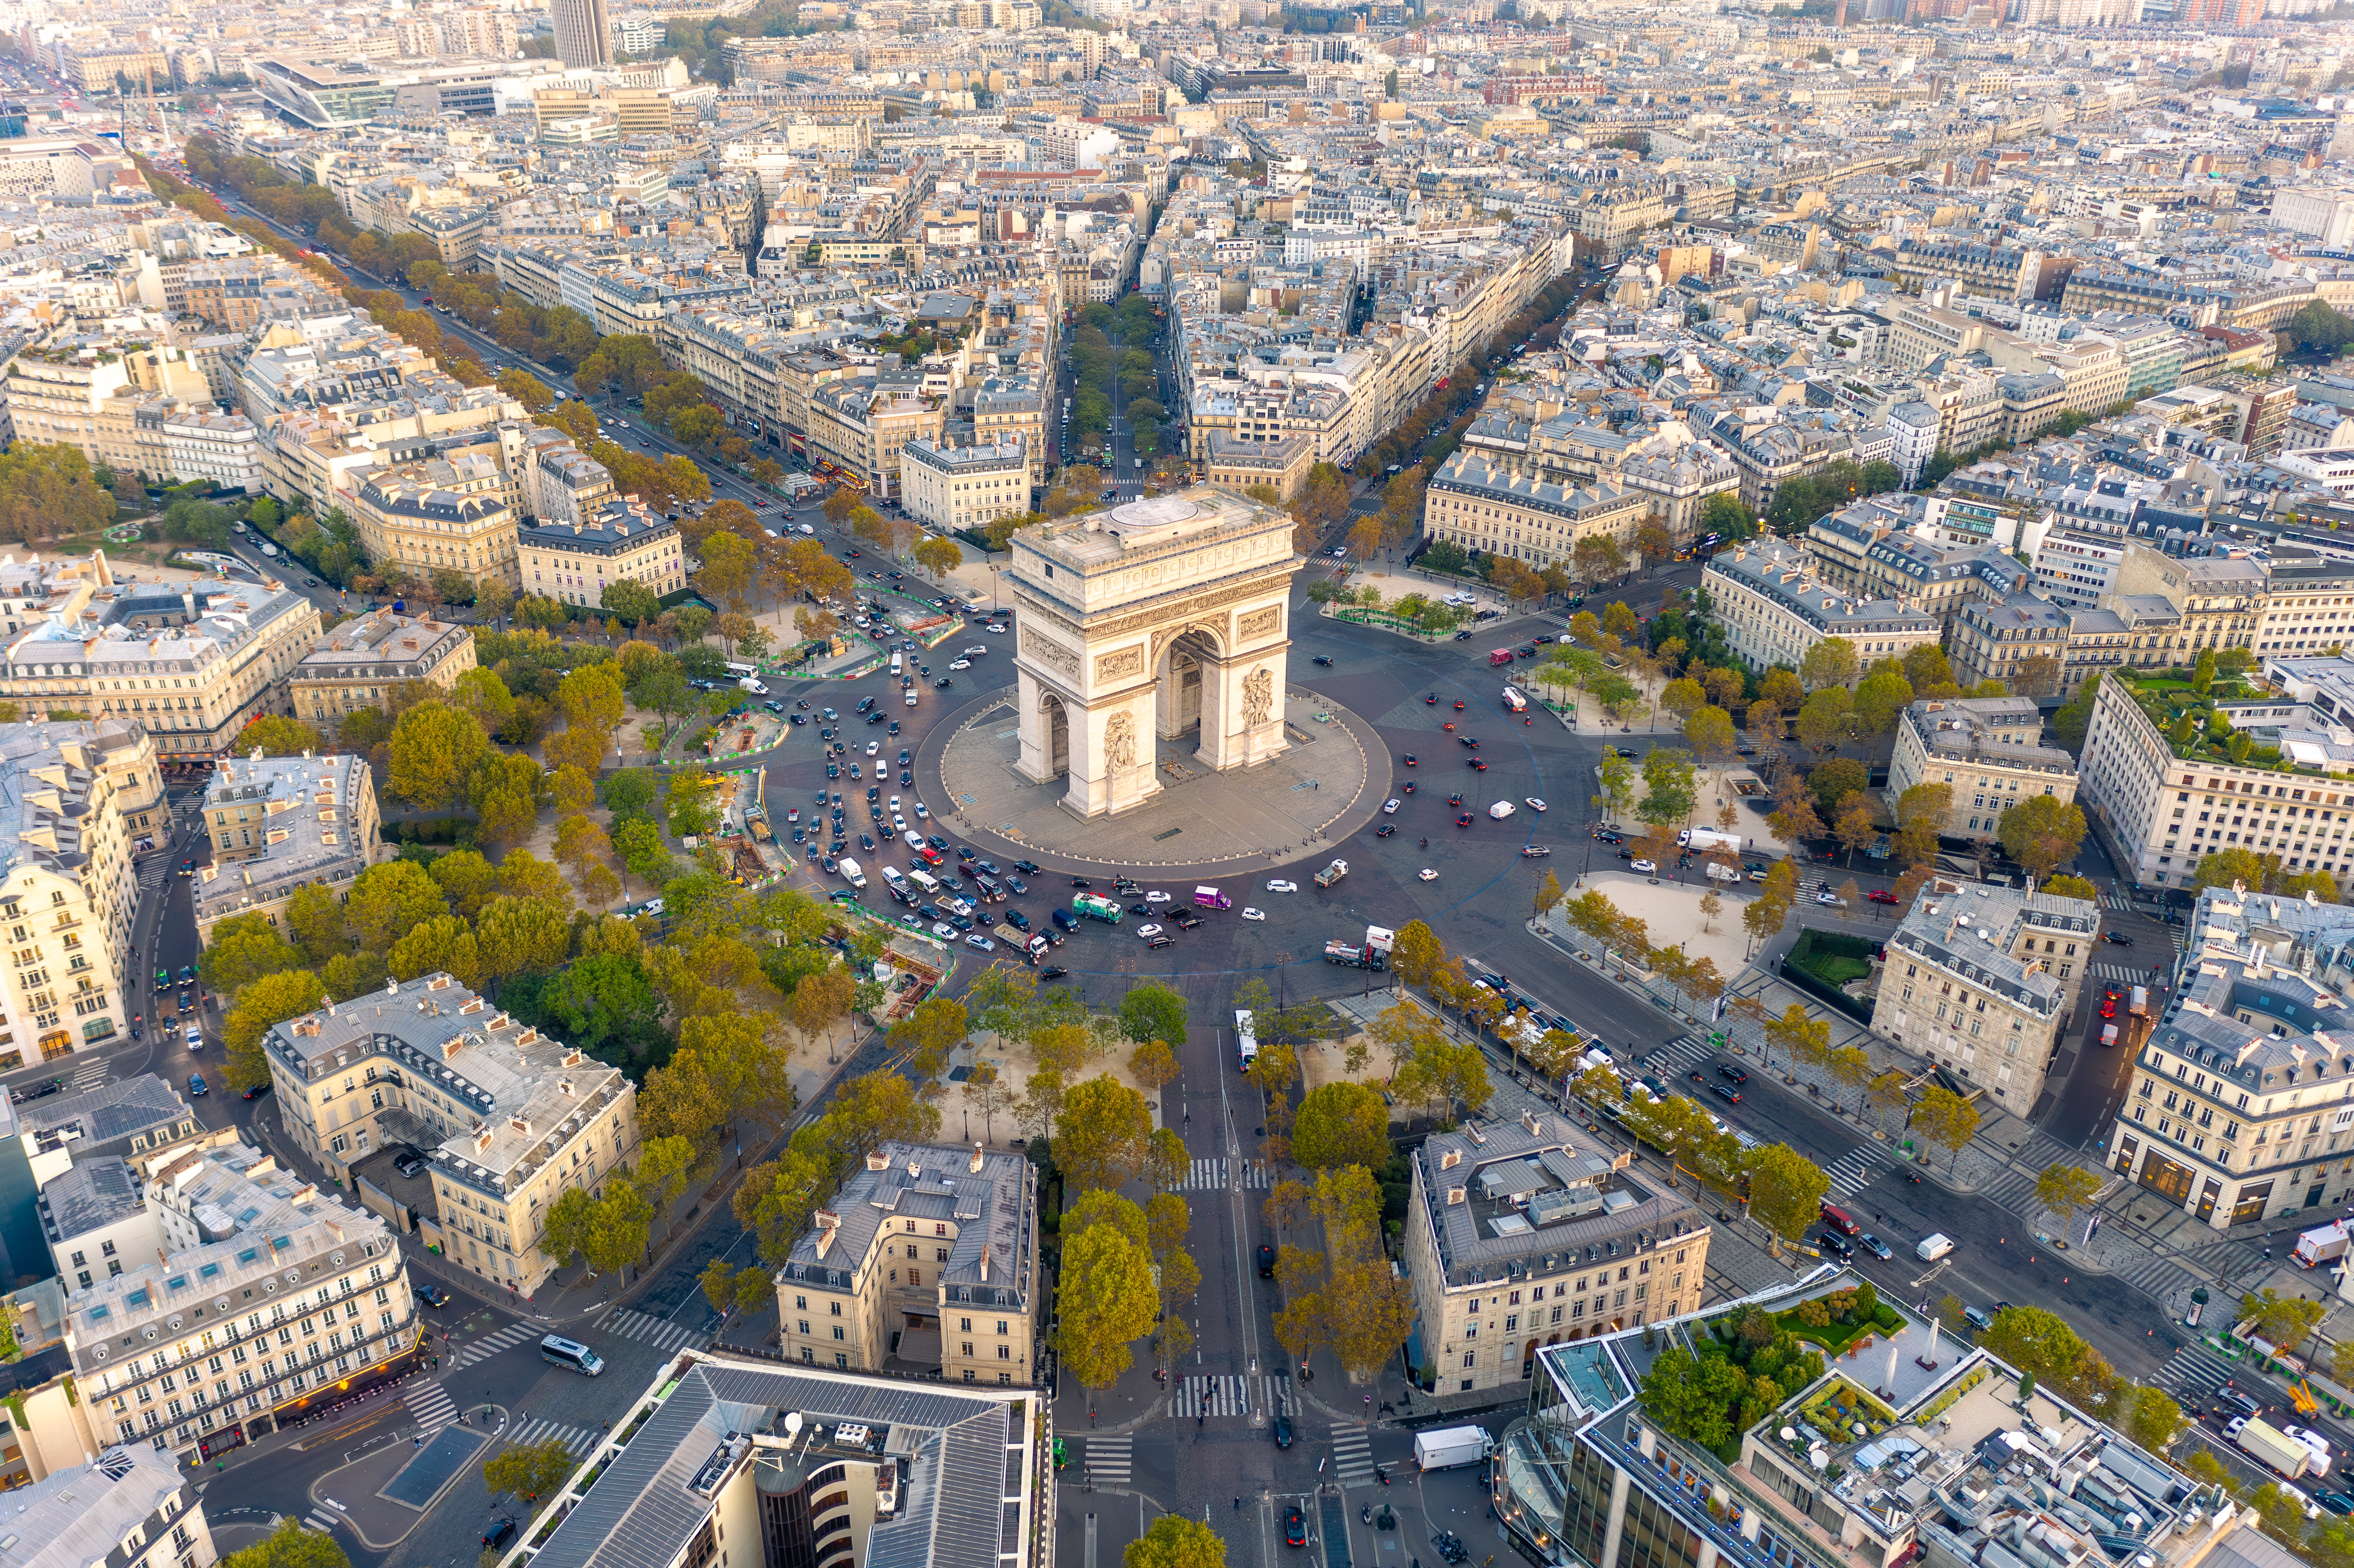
1448	1446
1701	841
918	877
851	875
1934	1247
2275	1448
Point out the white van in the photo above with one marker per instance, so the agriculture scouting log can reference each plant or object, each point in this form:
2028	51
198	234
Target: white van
891	874
750	685
918	877
1934	1247
895	664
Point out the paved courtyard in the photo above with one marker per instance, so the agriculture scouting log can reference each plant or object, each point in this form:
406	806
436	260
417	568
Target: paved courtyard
1317	792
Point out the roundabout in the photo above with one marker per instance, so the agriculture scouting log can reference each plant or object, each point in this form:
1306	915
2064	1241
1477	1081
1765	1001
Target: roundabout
1327	784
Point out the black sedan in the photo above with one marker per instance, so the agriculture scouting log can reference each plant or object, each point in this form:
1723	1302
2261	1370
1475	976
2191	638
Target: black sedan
1295	1527
1464	821
1385	829
1725	1092
1030	867
1053	971
1477	764
1325	659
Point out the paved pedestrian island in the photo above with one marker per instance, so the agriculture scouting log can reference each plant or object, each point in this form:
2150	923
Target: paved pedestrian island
435	1466
1315	793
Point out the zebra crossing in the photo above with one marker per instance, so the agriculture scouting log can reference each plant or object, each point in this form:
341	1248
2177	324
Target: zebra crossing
1857	1168
88	1076
1109	1459
432	1406
484	1348
1210	1175
2010	1192
661	1333
2159	1278
2193	1375
1231	1393
323	1519
2117	974
577	1439
1352	1455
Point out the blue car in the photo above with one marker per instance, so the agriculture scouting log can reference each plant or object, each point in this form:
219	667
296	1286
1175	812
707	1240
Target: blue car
197	1088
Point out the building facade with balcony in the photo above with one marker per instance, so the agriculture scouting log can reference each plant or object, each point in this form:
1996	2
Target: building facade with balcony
71	792
361	664
267	1298
508	1118
1989	750
935	1245
279	824
618	540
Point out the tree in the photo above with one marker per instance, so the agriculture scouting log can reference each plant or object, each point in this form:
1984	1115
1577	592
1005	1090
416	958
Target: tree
1153	1064
1107	1302
2065	1189
389	899
1879	699
2042	1344
2040	832
1346	1299
2147	1415
270	1000
434	751
1174	1541
1803	1038
277	735
1153	1013
1945	1119
530	1470
245	948
1827	718
1832	661
1341	1124
290	1546
1785	1192
2284	1321
1100	1136
442	944
631	601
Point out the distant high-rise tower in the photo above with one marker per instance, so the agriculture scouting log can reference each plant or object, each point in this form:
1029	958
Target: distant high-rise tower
1839	17
583	35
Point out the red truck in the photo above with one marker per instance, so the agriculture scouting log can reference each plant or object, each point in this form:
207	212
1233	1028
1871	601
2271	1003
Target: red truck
1501	656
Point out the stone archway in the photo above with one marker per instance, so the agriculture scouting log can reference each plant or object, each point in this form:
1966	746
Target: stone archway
1145	622
1055	723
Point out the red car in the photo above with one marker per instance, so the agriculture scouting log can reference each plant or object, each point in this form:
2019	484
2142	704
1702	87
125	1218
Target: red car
2109	1003
1880	895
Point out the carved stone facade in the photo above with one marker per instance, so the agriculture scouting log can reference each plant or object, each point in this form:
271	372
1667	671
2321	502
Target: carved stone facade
1163	617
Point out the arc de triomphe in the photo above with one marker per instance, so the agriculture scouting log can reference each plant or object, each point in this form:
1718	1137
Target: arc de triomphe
1148	621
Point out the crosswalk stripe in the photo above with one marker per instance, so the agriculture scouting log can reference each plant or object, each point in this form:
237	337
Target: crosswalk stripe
1352	1455
1857	1168
1109	1459
1208	1175
483	1349
2193	1373
658	1332
432	1406
574	1438
321	1519
1230	1394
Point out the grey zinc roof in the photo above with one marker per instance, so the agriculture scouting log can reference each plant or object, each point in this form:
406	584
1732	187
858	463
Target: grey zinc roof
87	1194
994	1207
80	1516
643	1509
106	1113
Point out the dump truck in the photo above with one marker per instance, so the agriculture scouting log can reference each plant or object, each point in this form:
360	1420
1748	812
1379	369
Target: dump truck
1096	908
2325	1244
1332	873
755	822
1447	1447
2274	1449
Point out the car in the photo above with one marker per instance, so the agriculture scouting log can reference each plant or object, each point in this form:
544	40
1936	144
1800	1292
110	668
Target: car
1533	804
1427	874
1027	867
1408	759
501	1532
1831	1241
1471	741
1726	1093
1875	1245
1253	913
1283	1432
1832	899
187	868
980	943
1389	808
1266	1261
1603	835
1140	907
1156	896
1464	821
1148	931
873	748
976	651
1731	1073
2232	1402
1280	885
198	1088
1163	940
1295	1526
432	1295
2109	1003
1323	659
961	664
1053	971
256	1092
1477	764
1385	829
2339	1503
2119	938
409	1162
942	683
833	770
943	931
1647	867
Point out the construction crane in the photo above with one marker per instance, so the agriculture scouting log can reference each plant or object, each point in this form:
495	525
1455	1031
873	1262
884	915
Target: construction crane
2303	1398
